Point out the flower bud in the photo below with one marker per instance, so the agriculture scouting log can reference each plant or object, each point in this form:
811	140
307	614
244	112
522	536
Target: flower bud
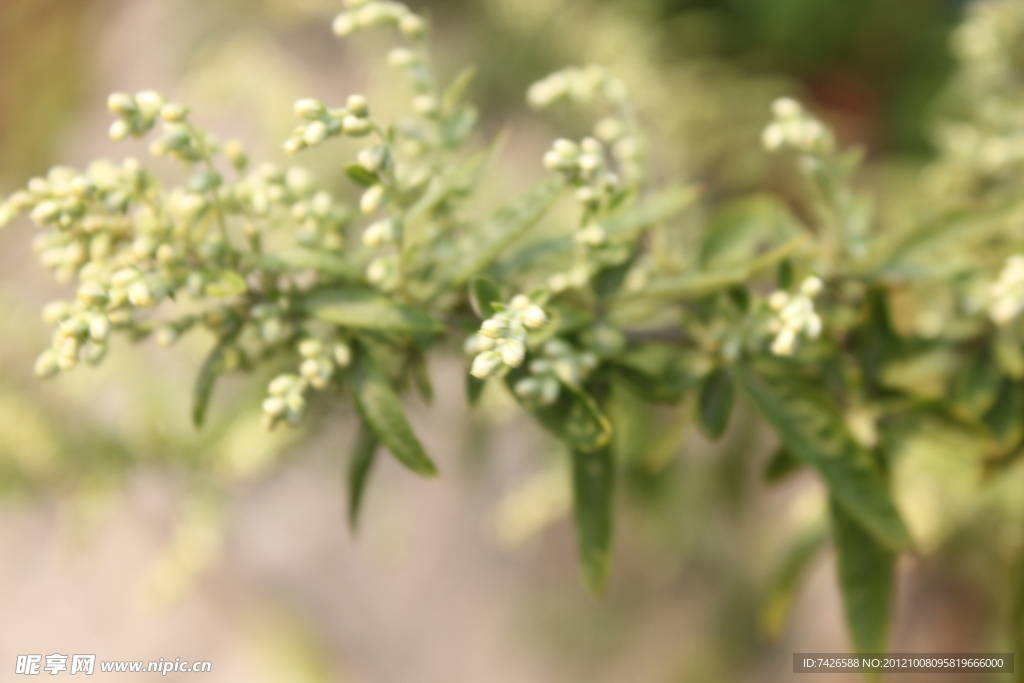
235	153
534	317
811	286
281	385
520	302
46	364
310	348
513	353
310	109
371	158
425	105
412	26
293	145
342	354
122	104
173	112
355	126
485	364
357	106
344	24
492	328
372	199
150	103
401	57
91	294
140	296
274	406
315	133
786	108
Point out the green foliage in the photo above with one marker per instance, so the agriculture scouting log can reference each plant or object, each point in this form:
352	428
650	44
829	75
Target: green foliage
789	305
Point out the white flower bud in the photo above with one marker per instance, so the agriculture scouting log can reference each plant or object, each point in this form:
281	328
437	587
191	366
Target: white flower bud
412	26
785	342
274	406
293	145
492	328
46	364
342	355
378	271
150	103
372	199
371	158
534	317
140	296
310	348
401	57
513	353
811	286
485	364
282	385
173	112
786	108
122	104
315	133
778	300
425	105
593	235
344	24
520	302
309	368
355	126
99	327
310	109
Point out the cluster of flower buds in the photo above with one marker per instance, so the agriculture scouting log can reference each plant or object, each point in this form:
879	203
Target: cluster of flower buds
577	85
320	218
795	315
794	127
286	399
135	114
501	342
321	123
363	14
1006	294
559	364
585	162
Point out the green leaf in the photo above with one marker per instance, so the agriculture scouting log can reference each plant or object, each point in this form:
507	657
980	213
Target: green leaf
502	229
697	284
715	402
382	412
224	283
651	211
782	464
739	231
482	293
574	418
976	386
360	176
302	258
866	572
458	126
454	93
1004	418
361	464
211	370
593	486
474	388
814	431
784	584
368	310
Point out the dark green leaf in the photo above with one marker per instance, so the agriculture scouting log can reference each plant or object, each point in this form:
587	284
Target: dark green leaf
368	310
482	293
361	463
574	418
814	431
784	275
382	412
714	404
1005	419
212	368
782	464
593	485
360	176
976	386
474	387
865	569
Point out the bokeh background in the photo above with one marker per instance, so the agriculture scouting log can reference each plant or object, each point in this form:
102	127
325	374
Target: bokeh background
125	534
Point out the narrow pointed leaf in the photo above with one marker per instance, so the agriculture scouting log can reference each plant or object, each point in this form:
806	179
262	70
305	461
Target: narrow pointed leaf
651	211
500	230
866	574
593	484
364	453
482	293
715	402
814	431
211	370
302	258
382	412
575	417
784	585
360	176
367	310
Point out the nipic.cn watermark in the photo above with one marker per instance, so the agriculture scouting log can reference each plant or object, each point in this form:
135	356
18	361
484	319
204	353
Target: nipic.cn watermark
34	665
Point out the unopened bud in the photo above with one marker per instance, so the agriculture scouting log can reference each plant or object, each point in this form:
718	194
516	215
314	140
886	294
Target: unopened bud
355	126
372	199
310	109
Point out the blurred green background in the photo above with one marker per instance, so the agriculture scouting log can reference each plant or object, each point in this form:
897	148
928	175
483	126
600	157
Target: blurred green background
128	535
